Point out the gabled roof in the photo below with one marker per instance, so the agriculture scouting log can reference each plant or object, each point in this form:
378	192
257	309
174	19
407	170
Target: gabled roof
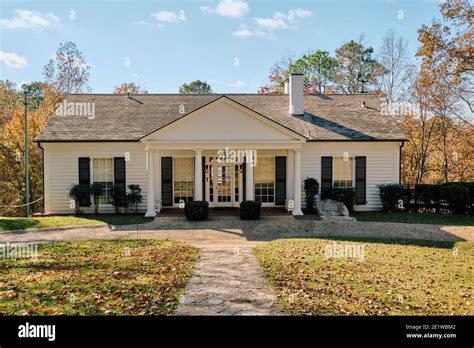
327	117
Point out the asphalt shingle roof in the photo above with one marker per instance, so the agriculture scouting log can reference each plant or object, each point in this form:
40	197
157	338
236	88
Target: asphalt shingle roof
327	117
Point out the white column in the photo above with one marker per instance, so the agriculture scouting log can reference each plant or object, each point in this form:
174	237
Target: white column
198	175
297	181
158	179
290	167
249	185
150	175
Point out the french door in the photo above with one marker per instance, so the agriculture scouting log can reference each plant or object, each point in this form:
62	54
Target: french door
223	183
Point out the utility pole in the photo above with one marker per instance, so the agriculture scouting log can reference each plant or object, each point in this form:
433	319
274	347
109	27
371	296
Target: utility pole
27	173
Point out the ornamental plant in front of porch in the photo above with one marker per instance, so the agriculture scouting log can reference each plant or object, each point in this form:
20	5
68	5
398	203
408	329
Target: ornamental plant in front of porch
97	189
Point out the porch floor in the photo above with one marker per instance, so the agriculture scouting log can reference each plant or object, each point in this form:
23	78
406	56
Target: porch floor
266	211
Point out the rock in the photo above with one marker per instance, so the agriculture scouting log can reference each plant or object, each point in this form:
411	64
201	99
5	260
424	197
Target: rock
342	209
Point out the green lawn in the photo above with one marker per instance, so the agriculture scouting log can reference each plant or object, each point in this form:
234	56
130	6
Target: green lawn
391	279
417	218
126	277
19	223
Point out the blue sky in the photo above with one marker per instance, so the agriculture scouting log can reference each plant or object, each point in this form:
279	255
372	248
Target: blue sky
162	44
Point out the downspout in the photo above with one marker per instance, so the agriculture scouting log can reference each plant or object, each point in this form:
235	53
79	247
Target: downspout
42	156
400	164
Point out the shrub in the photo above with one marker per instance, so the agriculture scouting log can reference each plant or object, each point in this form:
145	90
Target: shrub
196	210
311	189
97	189
250	210
78	193
344	195
389	195
119	197
457	197
134	196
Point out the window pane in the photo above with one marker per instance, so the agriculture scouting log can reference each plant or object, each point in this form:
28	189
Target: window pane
342	172
102	169
183	179
264	176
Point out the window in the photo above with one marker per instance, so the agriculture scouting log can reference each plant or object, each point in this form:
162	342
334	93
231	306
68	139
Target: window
264	176
103	173
183	179
342	172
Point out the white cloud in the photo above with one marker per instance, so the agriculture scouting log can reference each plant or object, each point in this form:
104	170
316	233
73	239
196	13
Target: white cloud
276	22
236	84
228	8
26	19
299	12
13	60
244	32
281	20
207	9
145	23
165	16
169	17
135	75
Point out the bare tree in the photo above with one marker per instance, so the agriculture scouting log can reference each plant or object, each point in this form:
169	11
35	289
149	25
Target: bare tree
393	57
68	72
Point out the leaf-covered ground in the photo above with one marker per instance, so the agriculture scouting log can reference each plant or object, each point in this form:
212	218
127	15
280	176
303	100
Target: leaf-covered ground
391	279
20	223
126	277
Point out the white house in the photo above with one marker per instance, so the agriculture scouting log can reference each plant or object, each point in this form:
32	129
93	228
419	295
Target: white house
201	147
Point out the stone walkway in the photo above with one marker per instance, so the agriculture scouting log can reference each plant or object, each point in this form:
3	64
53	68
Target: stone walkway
228	281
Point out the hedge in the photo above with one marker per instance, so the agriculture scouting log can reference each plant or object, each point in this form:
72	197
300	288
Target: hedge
250	210
196	210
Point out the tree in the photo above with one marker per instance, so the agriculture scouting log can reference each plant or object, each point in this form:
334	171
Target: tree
355	68
447	50
195	87
68	72
12	165
129	87
393	58
317	68
279	73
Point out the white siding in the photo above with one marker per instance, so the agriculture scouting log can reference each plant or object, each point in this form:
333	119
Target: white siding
61	170
382	164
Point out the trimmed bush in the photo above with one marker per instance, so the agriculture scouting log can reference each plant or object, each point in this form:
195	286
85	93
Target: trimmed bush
250	210
78	193
97	189
389	195
457	197
119	197
311	189
134	196
196	210
344	195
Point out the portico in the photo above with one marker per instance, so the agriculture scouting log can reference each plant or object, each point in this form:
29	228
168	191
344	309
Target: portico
199	172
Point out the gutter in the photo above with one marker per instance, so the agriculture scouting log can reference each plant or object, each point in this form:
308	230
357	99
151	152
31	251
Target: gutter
42	155
400	163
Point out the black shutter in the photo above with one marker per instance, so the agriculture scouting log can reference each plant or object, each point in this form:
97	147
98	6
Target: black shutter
280	180
119	171
167	181
360	180
244	179
85	179
326	177
203	178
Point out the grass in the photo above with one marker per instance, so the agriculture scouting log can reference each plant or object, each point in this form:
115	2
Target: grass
417	218
21	223
126	277
393	278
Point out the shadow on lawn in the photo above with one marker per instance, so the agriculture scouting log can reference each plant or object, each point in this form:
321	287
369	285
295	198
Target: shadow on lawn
229	229
18	224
